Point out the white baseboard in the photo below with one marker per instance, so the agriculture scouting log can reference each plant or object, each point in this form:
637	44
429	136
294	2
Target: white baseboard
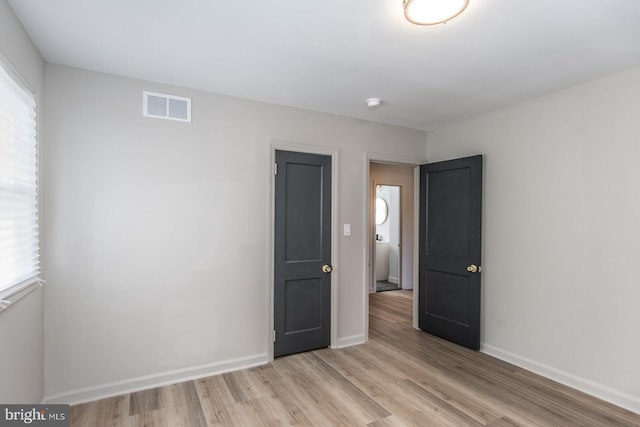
116	388
349	341
618	398
393	280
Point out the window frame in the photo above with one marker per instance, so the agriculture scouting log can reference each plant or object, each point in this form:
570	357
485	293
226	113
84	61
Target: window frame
22	288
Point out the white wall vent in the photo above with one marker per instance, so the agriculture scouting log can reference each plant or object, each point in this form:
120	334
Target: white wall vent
163	106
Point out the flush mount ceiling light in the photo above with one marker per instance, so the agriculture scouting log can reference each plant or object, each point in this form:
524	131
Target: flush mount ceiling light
432	12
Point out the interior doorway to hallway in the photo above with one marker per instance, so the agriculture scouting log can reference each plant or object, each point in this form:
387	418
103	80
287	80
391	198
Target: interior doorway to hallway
403	177
396	187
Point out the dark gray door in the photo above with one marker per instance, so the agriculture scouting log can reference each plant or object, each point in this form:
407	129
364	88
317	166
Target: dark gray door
302	294
450	227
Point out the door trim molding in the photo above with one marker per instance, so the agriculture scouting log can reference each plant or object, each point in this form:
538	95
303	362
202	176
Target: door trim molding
370	157
335	261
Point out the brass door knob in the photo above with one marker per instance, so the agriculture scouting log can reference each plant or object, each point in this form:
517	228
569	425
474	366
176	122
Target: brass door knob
327	268
472	268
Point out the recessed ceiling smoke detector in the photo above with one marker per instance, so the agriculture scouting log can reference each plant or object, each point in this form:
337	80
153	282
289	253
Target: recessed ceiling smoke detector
373	102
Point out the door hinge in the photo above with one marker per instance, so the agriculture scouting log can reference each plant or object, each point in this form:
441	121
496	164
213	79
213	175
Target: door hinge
275	169
274	335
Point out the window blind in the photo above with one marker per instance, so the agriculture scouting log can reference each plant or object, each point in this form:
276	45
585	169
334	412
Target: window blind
19	241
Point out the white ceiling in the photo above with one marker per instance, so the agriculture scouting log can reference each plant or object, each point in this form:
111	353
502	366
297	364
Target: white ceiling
331	55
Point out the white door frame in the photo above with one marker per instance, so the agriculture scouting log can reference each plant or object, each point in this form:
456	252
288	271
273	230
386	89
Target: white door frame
367	219
300	148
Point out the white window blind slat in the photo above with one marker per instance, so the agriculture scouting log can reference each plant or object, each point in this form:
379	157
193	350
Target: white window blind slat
13	271
21	255
19	239
18	265
10	196
15	207
8	229
14	134
21	159
18	249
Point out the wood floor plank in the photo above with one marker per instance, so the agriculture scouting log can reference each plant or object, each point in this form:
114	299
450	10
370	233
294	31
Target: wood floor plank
339	406
369	405
291	406
401	377
156	418
390	421
239	387
219	406
503	422
144	401
183	407
439	411
385	385
110	412
455	393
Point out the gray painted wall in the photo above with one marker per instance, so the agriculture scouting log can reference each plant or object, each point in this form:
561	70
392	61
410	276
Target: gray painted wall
561	229
158	231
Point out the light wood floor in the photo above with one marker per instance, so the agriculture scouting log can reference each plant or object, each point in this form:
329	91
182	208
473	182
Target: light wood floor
400	377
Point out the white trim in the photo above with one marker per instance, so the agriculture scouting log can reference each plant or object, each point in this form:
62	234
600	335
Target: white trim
393	159
416	246
117	388
335	235
398	160
350	341
392	279
616	397
16	75
11	295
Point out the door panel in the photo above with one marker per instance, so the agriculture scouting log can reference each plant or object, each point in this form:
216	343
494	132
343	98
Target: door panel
297	317
302	291
447	297
303	221
450	231
448	222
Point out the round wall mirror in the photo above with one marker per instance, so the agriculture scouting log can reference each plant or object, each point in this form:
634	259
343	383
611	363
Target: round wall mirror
382	210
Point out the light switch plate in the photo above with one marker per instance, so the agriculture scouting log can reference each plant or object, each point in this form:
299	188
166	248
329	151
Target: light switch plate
347	229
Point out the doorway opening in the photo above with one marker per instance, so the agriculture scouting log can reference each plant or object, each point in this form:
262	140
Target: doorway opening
392	259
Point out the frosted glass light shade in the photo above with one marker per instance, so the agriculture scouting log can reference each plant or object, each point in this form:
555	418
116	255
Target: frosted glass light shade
432	12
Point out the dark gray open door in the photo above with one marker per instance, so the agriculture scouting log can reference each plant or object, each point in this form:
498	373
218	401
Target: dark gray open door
302	293
450	230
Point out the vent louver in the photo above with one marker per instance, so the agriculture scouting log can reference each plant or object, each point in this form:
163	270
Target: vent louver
163	106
